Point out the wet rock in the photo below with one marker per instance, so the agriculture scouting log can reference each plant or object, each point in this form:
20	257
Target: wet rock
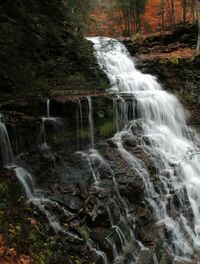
74	203
99	234
130	140
145	256
133	190
99	216
137	128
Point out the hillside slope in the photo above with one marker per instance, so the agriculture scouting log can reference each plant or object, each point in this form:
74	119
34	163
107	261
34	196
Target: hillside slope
43	50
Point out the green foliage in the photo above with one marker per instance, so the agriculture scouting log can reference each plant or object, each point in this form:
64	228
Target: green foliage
3	189
138	36
174	60
107	128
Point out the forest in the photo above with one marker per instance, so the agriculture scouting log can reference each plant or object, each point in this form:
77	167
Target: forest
131	17
100	132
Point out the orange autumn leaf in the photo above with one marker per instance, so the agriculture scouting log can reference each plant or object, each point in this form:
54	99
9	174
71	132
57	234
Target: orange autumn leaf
9	255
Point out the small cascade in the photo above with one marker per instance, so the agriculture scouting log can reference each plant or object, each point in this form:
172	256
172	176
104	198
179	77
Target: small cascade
55	121
36	197
77	129
121	112
79	121
48	108
124	110
6	151
100	254
80	112
43	133
90	121
87	156
33	194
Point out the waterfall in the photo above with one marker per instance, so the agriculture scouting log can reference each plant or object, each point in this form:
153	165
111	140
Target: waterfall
79	121
114	184
48	107
90	120
36	197
25	178
55	121
6	151
163	124
80	112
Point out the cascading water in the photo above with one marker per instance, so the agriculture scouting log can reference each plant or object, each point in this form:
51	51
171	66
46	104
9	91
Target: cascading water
79	121
48	119
6	151
163	124
115	189
33	195
48	107
90	121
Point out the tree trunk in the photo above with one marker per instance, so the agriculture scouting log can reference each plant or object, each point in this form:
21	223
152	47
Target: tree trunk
193	11
163	14
198	21
173	11
170	12
184	4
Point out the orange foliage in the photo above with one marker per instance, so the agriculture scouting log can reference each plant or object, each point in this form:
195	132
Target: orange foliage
104	22
9	255
107	22
179	53
152	18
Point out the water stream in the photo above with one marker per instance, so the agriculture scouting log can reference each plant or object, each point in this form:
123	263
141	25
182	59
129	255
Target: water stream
90	121
163	122
164	137
6	151
54	121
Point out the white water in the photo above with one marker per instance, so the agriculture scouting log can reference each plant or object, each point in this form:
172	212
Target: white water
6	151
55	121
80	112
48	107
164	124
33	194
36	197
90	121
79	121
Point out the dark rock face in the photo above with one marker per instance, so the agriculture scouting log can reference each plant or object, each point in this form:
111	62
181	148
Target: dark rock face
43	52
100	198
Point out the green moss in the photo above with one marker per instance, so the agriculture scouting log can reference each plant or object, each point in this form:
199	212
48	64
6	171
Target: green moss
3	190
107	128
174	60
